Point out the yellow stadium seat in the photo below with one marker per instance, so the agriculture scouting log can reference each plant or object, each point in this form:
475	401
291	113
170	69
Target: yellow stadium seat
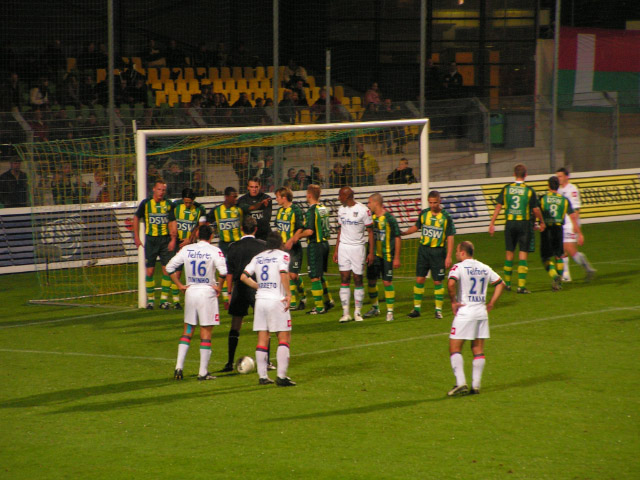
193	86
125	60
181	86
185	97
205	81
225	73
311	80
236	73
233	96
101	75
248	73
152	75
172	99
346	101
189	73
157	85
178	70
356	101
161	97
137	62
165	74
169	86
257	93
270	71
71	64
201	72
305	116
242	85
339	92
214	73
253	84
259	73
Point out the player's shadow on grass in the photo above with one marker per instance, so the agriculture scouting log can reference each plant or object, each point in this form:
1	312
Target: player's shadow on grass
107	406
528	382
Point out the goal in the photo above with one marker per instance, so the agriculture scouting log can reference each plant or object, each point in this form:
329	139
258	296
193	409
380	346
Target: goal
85	192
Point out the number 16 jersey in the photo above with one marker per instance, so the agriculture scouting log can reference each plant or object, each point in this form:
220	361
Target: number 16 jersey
200	262
473	278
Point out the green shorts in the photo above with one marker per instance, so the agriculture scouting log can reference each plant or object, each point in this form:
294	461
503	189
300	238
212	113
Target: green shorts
517	233
295	261
157	247
317	259
381	268
431	259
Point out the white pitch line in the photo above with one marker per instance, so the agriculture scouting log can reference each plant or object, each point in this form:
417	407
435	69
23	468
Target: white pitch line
66	319
333	350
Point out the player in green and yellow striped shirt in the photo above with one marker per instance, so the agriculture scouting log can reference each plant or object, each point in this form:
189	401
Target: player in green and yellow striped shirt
290	224
554	207
160	240
434	253
189	214
387	235
317	230
520	202
226	219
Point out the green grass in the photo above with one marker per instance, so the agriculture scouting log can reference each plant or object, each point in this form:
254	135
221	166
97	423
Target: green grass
88	393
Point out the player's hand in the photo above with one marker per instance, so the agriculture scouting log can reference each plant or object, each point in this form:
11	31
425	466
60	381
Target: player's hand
580	239
492	229
226	305
335	256
543	226
217	289
138	243
185	242
447	262
287	302
172	245
289	244
396	263
536	226
455	306
370	258
490	306
266	202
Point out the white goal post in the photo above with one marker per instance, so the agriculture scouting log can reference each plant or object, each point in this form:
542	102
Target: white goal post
141	137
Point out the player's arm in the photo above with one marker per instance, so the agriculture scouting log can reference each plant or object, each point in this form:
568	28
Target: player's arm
496	212
450	244
139	215
396	255
496	294
335	249
372	246
284	279
246	279
576	227
409	231
172	267
221	267
173	229
453	295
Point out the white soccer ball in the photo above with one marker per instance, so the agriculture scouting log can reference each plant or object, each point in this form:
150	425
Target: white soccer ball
245	365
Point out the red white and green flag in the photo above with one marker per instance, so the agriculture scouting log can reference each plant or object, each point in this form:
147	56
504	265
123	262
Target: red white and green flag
597	66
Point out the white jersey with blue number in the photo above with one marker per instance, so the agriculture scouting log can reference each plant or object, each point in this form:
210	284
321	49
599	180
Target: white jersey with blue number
267	267
473	278
200	262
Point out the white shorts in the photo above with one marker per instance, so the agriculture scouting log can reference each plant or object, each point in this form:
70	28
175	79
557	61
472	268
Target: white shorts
270	316
567	231
463	329
351	258
201	306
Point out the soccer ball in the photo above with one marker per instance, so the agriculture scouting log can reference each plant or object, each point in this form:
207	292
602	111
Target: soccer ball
245	365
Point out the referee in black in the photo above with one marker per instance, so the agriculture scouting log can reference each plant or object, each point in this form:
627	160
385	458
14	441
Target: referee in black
239	255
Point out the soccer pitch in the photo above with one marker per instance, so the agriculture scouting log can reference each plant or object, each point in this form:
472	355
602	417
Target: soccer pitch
89	393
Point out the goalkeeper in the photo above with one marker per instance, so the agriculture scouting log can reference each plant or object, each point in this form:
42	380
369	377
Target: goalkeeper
160	241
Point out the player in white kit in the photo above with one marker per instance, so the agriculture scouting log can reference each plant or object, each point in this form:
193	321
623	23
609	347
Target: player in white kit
355	231
200	260
570	240
271	313
468	282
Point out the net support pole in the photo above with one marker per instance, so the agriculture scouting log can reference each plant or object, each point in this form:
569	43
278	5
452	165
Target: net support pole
423	53
110	82
424	164
278	165
554	93
141	176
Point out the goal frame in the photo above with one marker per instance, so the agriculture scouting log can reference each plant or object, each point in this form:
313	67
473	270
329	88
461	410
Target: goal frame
141	136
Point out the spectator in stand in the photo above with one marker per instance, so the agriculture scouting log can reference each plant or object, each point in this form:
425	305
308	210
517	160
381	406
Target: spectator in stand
96	189
402	174
241	167
387	111
291	181
39	126
200	185
220	56
87	90
371	113
91	128
302	179
337	176
299	95
14	185
433	81
287	108
138	92
176	179
452	82
174	55
242	114
71	92
126	186
372	95
65	187
39	96
90	59
11	97
259	114
242	58
152	56
320	107
61	127
55	58
267	179
152	176
103	57
203	57
364	167
194	112
294	73
316	177
220	111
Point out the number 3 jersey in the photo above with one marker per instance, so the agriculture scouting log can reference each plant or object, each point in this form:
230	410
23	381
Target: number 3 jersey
473	278
200	262
267	267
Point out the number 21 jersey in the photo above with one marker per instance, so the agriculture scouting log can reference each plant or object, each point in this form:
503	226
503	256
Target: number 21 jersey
473	278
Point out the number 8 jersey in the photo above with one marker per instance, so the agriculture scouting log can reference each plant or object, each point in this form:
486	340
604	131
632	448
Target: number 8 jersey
473	278
267	267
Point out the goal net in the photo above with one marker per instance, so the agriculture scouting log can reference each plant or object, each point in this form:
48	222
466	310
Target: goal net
85	192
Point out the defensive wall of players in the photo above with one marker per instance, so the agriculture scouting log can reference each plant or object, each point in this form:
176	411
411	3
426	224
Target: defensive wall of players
100	234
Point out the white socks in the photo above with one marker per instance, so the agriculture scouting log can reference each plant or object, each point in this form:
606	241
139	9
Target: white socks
458	368
261	360
182	354
345	297
282	355
478	367
358	296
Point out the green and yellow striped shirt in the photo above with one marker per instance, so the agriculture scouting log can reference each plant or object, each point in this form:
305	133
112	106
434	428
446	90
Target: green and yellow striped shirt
518	200
385	229
288	221
554	207
317	219
227	220
435	228
187	218
157	216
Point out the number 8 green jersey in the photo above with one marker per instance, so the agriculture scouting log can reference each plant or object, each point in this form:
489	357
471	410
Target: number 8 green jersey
518	200
554	207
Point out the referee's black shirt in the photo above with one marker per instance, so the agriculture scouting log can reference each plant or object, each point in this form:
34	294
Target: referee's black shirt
240	254
262	215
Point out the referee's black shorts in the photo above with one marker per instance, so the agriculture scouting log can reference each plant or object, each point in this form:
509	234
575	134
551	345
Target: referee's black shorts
242	297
